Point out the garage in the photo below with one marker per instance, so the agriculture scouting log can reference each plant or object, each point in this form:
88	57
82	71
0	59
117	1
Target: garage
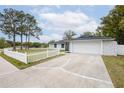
93	45
86	46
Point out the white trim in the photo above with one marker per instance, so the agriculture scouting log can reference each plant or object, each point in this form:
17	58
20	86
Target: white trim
71	46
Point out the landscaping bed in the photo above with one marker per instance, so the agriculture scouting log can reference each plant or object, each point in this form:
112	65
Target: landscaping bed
115	67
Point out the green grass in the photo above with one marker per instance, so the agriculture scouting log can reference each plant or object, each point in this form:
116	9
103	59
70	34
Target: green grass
30	51
20	65
62	50
115	67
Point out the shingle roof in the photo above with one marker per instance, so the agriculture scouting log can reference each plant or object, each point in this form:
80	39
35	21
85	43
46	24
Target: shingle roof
84	38
93	37
58	42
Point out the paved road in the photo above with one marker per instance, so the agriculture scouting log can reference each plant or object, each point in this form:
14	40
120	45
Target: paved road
71	70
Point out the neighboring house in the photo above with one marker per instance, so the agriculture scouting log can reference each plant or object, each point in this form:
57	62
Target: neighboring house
88	45
58	44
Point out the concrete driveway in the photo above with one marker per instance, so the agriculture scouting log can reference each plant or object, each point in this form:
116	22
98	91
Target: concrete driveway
6	67
71	70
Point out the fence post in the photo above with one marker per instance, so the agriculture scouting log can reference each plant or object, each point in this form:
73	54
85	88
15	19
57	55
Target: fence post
26	56
58	51
47	53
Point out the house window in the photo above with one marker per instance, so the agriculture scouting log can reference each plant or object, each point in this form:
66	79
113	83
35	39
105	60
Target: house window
62	45
55	45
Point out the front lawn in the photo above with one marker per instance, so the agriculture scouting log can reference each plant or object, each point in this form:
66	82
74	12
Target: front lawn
20	65
33	50
115	67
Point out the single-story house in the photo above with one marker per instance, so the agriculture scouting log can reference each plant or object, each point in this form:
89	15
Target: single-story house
58	44
88	45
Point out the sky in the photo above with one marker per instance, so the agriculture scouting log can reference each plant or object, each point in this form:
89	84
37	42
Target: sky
55	20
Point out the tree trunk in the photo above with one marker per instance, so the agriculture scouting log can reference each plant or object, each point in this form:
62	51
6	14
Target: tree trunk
21	41
28	41
14	45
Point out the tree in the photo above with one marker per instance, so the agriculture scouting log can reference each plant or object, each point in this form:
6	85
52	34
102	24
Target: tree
3	43
14	22
32	28
68	35
88	33
98	33
8	23
21	25
51	41
112	25
44	45
36	44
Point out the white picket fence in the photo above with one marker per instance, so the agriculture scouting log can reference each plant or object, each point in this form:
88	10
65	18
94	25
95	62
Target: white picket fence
120	49
26	58
16	55
42	55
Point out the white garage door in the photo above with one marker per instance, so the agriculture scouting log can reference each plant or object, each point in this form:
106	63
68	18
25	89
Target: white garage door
87	47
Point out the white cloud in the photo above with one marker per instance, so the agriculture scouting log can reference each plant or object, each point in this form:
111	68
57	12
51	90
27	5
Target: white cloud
76	21
47	38
56	23
66	19
44	9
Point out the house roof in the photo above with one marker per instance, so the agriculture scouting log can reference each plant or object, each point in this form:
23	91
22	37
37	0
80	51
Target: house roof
93	38
84	38
58	42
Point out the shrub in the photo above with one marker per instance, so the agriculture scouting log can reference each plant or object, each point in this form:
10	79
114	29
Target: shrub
4	43
36	44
